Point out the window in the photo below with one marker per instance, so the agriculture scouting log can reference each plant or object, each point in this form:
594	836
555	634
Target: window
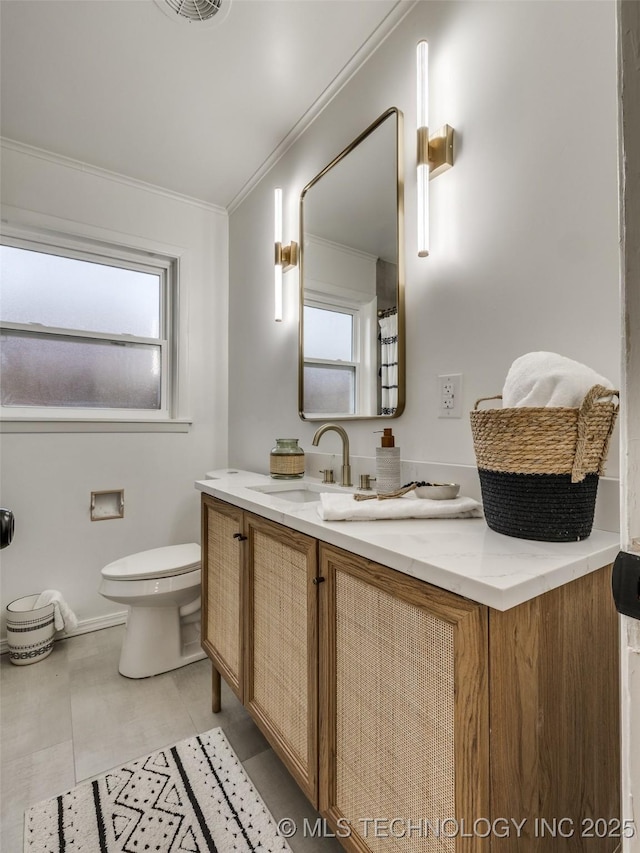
330	362
85	332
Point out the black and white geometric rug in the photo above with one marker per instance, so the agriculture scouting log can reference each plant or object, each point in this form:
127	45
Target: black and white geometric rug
194	797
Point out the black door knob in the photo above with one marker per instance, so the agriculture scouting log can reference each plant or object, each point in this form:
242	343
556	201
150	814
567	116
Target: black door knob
626	584
7	527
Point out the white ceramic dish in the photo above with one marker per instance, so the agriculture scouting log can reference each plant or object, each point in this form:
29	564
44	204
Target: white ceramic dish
438	491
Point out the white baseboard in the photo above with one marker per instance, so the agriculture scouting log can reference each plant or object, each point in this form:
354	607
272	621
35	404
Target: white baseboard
86	626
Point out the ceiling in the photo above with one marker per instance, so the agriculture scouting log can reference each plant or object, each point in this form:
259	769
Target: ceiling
200	109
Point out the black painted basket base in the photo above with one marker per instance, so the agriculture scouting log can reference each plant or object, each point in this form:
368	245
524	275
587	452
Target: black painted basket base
545	507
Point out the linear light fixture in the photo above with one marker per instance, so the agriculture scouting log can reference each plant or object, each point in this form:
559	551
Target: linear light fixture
435	153
286	257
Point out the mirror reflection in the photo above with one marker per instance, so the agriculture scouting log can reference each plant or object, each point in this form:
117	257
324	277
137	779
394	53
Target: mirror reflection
351	313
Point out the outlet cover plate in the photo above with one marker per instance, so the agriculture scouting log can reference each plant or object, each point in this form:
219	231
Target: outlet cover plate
450	395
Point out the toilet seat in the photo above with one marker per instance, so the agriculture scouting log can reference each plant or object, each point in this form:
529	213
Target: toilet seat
156	563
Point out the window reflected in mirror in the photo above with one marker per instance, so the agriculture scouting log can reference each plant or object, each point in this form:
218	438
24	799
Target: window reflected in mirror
330	369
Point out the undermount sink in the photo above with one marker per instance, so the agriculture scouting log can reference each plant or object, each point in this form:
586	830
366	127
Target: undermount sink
295	492
297	495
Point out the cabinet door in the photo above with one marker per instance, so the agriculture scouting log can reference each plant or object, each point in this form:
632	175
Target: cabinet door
282	644
222	589
404	710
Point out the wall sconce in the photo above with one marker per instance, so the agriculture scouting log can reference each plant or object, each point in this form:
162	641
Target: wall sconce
435	153
286	257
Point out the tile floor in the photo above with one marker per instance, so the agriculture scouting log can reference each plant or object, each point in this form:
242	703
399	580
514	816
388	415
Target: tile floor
72	716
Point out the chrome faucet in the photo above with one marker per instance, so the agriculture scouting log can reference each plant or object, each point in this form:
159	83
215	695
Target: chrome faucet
346	465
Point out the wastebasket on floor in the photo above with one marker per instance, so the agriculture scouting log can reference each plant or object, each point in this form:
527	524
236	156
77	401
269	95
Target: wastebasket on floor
30	631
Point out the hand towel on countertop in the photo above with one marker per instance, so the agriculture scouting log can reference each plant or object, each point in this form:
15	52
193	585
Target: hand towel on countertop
339	507
63	615
548	379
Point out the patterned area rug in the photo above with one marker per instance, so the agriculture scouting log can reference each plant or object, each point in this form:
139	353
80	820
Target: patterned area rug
188	798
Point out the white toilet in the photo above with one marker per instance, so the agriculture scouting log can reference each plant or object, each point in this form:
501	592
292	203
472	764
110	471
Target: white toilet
162	589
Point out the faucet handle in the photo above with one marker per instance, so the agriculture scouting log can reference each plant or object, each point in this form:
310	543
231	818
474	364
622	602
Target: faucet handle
365	481
327	475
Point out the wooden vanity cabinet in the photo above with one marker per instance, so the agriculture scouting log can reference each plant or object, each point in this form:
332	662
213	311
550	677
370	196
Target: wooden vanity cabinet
388	698
499	728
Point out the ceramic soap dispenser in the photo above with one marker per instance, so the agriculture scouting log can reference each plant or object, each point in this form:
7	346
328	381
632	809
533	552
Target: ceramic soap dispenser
387	463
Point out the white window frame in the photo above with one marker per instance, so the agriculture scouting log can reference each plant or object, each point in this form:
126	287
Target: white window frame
364	322
68	418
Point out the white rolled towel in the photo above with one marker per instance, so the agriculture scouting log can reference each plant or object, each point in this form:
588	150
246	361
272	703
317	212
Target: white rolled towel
63	616
548	379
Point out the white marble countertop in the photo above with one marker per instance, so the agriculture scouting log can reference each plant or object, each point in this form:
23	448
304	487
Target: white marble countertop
461	555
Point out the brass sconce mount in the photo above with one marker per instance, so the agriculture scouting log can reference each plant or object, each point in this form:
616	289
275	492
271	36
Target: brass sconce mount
436	150
286	256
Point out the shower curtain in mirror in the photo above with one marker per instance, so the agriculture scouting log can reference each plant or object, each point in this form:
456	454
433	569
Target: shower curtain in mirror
388	338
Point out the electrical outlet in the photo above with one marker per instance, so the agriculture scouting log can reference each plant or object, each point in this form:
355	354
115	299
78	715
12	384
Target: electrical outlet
450	405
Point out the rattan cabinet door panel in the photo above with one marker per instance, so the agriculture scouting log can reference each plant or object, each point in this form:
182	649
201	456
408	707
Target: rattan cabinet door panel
404	710
222	589
282	644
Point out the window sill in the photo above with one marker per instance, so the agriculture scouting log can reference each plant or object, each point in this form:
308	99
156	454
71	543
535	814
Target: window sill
28	425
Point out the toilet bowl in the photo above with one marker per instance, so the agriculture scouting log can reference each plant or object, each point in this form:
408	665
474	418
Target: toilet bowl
162	589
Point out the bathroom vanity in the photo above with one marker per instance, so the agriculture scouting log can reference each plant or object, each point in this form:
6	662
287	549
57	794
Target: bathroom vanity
430	684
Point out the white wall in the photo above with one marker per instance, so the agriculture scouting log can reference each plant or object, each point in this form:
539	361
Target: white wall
332	269
524	227
47	478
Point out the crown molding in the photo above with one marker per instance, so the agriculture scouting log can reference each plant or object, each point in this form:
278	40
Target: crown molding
383	30
105	174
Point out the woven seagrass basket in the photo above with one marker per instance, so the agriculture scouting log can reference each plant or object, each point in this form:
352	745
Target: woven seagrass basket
539	467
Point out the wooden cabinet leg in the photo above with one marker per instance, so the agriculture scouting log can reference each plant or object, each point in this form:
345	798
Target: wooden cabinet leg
215	690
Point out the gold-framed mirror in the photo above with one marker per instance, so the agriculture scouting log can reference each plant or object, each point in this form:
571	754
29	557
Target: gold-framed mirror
351	346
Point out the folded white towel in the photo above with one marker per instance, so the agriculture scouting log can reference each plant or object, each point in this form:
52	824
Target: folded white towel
548	379
339	507
63	616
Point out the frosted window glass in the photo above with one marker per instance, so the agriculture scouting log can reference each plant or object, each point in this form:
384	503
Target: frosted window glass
44	370
67	293
329	389
328	335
